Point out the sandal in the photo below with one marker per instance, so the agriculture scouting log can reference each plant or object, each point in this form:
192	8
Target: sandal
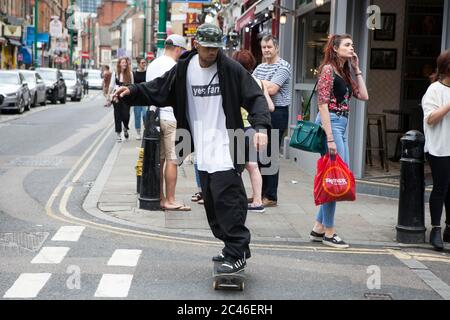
180	207
197	197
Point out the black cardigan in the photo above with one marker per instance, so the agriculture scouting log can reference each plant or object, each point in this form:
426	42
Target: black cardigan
238	89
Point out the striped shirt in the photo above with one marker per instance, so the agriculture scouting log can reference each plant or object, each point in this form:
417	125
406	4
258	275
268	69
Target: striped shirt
280	74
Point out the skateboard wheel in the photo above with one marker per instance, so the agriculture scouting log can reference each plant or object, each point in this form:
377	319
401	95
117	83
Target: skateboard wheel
215	285
241	287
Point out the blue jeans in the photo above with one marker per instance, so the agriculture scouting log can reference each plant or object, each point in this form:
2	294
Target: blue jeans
326	212
138	113
197	176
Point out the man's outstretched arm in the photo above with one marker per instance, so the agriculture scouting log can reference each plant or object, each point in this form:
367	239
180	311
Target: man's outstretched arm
158	92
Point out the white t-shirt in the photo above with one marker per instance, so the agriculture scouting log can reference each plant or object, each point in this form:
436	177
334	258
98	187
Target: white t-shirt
437	136
156	69
206	118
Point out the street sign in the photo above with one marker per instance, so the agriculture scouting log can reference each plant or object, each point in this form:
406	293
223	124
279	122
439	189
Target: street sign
56	28
85	55
150	55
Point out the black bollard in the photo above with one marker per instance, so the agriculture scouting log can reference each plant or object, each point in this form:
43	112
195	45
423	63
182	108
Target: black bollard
149	190
411	210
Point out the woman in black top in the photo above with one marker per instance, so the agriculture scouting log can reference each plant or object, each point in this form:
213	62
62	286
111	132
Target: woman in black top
139	111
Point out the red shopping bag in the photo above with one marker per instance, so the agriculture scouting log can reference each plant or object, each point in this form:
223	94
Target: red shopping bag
334	181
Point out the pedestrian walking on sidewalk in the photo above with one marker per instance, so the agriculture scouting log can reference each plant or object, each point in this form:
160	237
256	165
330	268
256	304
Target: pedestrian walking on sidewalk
275	74
123	76
106	75
248	61
436	124
336	85
174	46
139	111
207	90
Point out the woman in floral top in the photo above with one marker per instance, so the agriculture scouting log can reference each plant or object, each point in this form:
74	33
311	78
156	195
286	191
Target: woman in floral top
336	85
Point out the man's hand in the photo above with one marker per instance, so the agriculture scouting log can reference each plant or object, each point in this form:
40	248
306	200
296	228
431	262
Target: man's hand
120	93
260	140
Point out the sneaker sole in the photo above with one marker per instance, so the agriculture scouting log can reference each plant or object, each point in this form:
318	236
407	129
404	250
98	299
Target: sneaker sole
334	245
258	211
315	239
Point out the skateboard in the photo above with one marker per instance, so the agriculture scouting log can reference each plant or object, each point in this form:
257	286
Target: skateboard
234	281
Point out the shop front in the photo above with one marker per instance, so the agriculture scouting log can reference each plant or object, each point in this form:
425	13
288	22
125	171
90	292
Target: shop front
13	34
395	60
260	17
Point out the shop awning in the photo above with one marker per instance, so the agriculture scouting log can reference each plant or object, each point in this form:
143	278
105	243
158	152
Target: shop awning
14	42
246	17
263	5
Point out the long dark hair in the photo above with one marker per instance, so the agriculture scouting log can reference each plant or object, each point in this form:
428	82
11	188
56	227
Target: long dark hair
331	57
443	66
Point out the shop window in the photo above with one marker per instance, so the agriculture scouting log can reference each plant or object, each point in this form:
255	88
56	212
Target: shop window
423	36
314	31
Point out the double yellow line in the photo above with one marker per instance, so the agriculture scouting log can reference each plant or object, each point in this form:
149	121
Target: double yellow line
82	164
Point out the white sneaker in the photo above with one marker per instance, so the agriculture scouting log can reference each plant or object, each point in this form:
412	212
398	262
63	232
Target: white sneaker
119	137
138	134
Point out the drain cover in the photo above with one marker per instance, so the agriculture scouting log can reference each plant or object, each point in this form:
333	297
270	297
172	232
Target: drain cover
31	241
377	296
36	162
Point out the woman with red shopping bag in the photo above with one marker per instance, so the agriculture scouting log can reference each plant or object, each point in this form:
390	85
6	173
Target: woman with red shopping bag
340	78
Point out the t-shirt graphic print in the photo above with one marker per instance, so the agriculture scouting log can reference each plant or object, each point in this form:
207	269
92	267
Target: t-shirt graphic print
207	119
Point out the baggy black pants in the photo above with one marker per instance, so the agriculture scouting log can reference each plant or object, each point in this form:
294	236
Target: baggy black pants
226	210
121	115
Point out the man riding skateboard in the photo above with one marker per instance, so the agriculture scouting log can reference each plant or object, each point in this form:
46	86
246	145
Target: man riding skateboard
207	90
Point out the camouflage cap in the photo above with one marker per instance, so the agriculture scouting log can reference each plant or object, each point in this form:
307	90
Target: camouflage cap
209	35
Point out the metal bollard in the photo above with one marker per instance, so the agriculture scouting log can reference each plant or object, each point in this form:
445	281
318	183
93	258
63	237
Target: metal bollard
411	210
149	191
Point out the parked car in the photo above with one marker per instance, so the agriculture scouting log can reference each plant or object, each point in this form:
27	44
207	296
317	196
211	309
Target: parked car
54	83
15	90
94	79
73	84
37	87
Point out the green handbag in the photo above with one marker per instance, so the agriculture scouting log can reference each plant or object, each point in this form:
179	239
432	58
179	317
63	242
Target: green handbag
309	136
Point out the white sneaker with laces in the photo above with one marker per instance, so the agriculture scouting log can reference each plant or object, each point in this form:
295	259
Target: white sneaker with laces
119	137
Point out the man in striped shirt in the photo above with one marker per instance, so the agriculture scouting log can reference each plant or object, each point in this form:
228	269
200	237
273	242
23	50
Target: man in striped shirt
275	73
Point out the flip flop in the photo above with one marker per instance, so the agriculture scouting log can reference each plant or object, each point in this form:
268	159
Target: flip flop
179	208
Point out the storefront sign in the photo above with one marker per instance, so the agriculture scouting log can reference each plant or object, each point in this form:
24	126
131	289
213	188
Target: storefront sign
246	17
190	29
12	31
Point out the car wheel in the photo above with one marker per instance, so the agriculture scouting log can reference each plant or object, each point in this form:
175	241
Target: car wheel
21	108
63	99
54	97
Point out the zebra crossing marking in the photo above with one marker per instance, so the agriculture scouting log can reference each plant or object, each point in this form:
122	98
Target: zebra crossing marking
28	285
50	255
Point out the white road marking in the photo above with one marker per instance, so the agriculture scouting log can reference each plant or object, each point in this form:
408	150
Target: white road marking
68	233
126	258
114	286
51	255
28	285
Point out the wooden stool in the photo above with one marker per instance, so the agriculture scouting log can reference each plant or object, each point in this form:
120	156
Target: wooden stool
378	120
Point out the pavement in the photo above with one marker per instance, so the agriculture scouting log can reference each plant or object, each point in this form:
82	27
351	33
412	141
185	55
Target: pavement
369	221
